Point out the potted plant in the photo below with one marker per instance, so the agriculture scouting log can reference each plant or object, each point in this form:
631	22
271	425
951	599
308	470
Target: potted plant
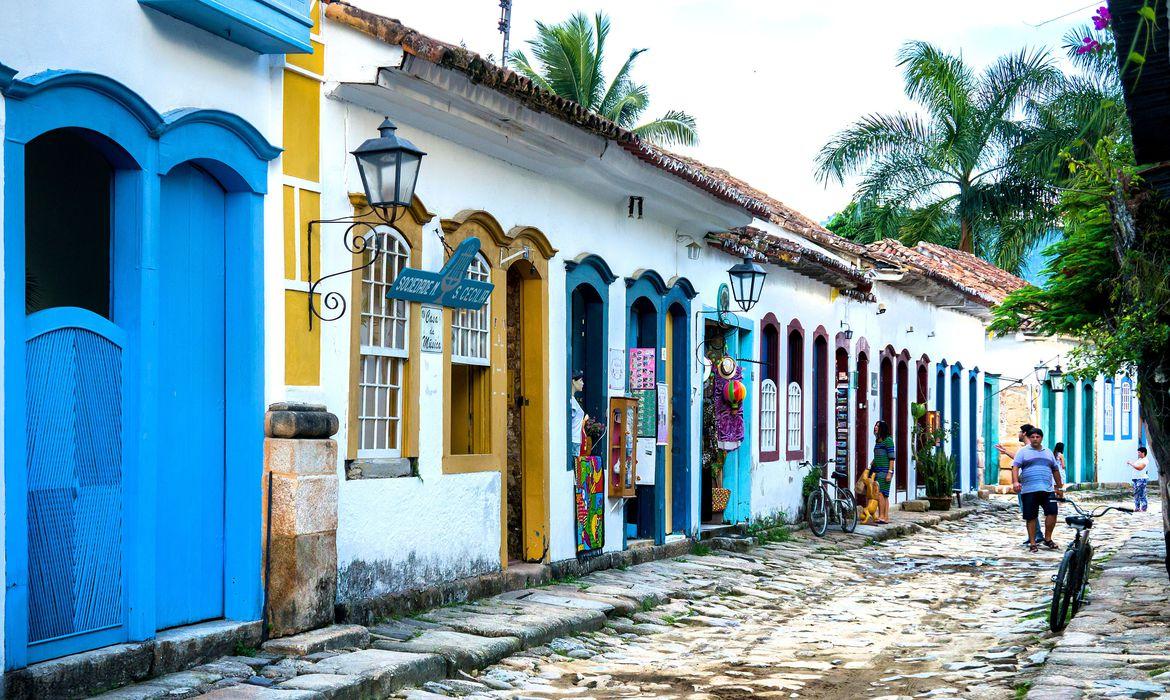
934	467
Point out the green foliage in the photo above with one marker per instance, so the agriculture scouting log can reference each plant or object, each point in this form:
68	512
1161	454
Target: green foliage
951	169
770	528
811	480
932	464
568	60
700	549
245	650
1107	278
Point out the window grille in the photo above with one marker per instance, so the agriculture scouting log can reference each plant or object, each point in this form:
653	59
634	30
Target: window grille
768	416
471	330
383	340
795	416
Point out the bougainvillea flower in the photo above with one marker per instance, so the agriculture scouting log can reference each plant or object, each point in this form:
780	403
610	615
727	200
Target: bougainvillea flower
1089	45
1102	19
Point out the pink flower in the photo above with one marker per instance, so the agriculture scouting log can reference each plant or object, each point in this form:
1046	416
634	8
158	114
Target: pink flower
1089	45
1102	19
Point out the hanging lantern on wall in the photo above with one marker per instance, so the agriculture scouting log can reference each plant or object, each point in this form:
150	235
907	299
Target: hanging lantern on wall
747	281
389	168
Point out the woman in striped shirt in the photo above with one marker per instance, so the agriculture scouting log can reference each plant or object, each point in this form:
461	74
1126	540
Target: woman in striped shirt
882	468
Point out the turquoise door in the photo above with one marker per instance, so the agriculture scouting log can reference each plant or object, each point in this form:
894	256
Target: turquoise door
75	368
1089	433
189	550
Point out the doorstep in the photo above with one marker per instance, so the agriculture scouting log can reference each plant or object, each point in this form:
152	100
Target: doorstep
707	532
91	672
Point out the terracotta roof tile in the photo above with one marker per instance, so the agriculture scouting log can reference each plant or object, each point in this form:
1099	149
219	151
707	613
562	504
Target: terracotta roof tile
756	243
971	275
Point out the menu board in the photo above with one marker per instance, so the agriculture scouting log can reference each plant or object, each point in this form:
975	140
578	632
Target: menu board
642	368
647	461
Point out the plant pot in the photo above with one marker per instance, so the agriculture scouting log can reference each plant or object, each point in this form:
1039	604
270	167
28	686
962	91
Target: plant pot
940	502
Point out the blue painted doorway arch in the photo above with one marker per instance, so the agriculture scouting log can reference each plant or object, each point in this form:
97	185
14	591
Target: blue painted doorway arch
142	147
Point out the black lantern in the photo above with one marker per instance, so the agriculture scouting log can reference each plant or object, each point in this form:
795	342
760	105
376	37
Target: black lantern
747	281
1054	379
389	168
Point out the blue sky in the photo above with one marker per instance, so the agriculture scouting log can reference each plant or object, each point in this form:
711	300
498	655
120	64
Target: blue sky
769	82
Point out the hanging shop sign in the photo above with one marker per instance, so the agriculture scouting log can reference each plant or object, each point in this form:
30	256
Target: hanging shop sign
447	287
432	329
647	412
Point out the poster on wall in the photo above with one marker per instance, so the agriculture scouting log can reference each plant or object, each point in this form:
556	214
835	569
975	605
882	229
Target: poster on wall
432	329
663	410
642	368
647	412
617	370
589	497
647	462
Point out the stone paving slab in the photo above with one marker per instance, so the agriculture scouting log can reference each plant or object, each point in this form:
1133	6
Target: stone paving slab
379	672
1116	646
463	652
331	637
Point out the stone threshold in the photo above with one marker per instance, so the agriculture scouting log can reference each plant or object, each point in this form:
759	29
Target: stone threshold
92	672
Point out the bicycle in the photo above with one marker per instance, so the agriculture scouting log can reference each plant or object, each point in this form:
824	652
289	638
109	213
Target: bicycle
1071	579
828	502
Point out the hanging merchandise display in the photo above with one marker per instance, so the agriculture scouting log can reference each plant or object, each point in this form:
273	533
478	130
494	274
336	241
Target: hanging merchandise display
735	393
729	428
713	455
623	435
589	494
841	409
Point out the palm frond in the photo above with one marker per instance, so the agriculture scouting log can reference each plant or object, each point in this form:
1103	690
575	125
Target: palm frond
868	139
942	82
628	104
619	86
518	62
673	128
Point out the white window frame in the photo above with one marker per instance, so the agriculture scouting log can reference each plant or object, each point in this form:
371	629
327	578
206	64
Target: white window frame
388	353
1126	409
795	416
471	330
1108	412
768	423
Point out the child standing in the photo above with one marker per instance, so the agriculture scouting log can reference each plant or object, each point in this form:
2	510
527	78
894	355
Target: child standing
1140	477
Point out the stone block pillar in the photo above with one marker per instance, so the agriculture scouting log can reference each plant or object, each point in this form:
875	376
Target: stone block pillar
300	462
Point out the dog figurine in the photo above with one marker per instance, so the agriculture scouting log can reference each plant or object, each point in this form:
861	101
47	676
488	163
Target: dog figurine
868	512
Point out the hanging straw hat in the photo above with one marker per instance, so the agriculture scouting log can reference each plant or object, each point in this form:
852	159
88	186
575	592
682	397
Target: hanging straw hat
726	367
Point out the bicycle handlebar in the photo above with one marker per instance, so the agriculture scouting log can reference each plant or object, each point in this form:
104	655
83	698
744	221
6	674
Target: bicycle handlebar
1097	513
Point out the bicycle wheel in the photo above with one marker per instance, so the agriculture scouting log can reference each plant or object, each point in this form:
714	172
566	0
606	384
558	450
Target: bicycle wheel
1061	589
1081	585
817	512
848	508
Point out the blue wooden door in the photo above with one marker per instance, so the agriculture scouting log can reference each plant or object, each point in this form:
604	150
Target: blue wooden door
75	369
189	552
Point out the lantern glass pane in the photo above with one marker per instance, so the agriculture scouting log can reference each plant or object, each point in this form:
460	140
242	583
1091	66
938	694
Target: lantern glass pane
407	175
378	170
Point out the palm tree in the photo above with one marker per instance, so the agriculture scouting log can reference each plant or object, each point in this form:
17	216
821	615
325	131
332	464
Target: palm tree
958	159
568	63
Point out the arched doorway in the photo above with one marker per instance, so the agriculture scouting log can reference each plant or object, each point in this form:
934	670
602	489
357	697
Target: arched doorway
956	418
642	332
886	395
678	452
820	396
902	434
1088	433
861	431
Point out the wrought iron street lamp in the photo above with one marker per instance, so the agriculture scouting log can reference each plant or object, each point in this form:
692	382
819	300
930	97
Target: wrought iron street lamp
747	281
389	168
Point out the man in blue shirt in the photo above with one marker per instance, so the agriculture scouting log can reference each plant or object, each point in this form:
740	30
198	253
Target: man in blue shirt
1036	477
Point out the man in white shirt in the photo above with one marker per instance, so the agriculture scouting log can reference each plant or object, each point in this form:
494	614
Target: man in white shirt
1140	476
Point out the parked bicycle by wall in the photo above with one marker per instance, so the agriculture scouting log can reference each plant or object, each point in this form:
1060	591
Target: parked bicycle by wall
828	502
1071	580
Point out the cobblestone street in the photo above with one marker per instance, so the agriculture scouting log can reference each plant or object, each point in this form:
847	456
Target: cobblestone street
957	611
